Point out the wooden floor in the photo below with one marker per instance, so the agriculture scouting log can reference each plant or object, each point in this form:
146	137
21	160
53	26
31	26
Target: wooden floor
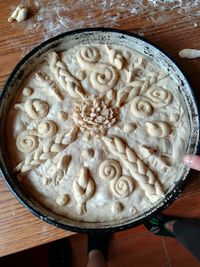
134	247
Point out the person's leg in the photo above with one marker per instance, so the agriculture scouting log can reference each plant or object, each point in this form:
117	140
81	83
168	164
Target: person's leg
97	250
186	231
96	259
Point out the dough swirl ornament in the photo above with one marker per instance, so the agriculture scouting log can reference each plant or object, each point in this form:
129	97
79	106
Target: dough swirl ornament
26	142
137	168
36	108
140	107
103	77
47	128
110	169
67	81
84	188
159	97
122	187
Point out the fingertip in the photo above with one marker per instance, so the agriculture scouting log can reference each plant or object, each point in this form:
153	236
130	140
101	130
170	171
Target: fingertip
187	159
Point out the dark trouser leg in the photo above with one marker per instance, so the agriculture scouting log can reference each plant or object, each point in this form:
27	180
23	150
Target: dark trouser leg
187	231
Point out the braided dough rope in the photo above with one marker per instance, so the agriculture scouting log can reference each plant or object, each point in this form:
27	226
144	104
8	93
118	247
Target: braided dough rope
137	168
67	81
84	188
45	80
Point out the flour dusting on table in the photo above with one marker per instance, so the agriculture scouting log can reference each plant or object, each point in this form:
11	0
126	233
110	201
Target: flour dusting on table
54	17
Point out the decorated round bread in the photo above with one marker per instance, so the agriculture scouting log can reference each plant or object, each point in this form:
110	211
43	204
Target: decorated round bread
97	133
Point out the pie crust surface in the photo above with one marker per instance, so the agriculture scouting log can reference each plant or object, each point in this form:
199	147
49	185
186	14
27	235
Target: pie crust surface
97	133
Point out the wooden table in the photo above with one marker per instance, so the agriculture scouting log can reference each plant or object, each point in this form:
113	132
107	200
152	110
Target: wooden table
172	29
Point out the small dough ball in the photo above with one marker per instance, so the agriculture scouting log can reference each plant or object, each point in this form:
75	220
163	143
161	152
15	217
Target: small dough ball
129	127
81	75
117	207
88	153
27	91
62	200
174	117
62	116
132	210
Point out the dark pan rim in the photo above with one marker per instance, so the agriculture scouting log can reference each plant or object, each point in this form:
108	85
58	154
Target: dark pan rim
170	197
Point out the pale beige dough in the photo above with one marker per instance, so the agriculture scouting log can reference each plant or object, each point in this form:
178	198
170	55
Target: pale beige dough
97	133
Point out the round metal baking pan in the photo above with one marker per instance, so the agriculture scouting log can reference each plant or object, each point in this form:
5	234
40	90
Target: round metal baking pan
92	36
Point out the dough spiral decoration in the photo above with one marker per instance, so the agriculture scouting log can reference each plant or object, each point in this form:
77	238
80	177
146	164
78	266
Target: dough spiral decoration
47	128
67	81
122	187
158	96
89	54
137	168
140	107
26	142
103	77
84	188
158	129
36	108
110	169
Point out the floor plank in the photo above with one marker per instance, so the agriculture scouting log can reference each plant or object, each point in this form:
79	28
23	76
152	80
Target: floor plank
178	255
143	251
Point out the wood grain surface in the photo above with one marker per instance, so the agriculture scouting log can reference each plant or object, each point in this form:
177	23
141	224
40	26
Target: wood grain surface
171	28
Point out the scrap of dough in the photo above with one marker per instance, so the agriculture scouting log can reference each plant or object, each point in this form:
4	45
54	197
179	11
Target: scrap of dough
19	14
189	53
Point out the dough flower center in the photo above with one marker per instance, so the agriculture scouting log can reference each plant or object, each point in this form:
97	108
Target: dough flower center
94	115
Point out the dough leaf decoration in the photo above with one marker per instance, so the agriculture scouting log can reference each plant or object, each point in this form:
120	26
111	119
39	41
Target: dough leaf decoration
84	188
103	77
156	159
139	171
62	74
53	176
67	136
46	81
57	170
